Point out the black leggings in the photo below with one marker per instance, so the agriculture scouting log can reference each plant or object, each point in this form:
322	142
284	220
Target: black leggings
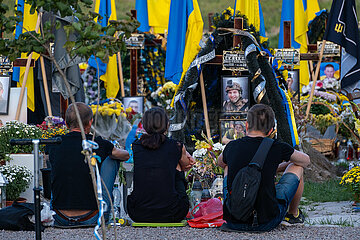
179	210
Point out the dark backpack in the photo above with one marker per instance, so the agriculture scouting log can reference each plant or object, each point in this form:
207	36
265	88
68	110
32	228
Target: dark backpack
240	202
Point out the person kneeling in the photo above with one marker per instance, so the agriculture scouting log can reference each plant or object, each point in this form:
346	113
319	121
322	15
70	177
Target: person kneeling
73	197
272	201
159	193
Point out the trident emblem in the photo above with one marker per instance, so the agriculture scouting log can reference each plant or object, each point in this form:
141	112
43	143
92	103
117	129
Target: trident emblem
339	27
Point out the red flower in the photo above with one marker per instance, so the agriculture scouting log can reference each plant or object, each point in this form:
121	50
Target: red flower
319	84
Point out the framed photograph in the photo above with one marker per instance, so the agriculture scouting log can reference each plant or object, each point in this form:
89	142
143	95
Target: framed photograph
329	71
232	129
293	83
4	94
136	103
235	93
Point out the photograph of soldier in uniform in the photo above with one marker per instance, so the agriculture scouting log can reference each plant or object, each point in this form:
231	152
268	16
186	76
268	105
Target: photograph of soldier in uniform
4	94
136	103
232	130
235	94
293	84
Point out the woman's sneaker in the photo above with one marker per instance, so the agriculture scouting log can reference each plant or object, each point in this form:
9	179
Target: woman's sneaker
290	219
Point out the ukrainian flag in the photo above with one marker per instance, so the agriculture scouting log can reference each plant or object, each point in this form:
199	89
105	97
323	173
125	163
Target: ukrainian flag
108	71
305	12
153	14
252	10
185	33
29	23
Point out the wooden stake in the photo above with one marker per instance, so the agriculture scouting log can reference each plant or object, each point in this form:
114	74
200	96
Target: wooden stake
46	89
314	80
121	75
203	97
27	69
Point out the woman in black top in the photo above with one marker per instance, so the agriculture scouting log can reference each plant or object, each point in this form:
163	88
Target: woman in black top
159	184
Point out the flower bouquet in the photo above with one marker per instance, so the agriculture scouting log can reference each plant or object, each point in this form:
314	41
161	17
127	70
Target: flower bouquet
111	120
18	177
164	95
206	155
52	127
17	130
351	180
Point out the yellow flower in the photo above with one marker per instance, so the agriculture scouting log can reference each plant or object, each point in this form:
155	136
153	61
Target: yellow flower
129	109
110	112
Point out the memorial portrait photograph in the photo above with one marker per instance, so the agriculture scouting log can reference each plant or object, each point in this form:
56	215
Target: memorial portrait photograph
235	94
136	103
232	130
4	94
293	83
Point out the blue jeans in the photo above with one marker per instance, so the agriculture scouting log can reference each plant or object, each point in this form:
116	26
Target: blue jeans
285	192
109	170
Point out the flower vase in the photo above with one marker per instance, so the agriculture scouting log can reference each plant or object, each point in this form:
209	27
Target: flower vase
26	160
19	200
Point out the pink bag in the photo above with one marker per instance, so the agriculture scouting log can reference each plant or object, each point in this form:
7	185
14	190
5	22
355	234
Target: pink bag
204	208
208	221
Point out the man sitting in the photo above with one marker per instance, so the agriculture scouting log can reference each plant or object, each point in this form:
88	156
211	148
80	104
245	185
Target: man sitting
272	200
73	197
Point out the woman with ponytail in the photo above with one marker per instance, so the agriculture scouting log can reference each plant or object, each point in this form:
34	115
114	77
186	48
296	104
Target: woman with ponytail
159	193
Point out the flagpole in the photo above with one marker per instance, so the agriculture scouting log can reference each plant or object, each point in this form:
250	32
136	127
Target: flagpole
203	97
27	69
121	75
314	80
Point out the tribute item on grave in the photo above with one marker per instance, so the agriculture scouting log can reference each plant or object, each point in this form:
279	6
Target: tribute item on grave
234	61
136	41
288	56
331	49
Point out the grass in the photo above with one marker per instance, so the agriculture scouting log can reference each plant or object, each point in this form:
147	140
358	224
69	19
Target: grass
330	191
329	221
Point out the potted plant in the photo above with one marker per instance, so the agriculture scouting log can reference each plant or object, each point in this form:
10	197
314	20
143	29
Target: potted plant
20	155
18	178
351	180
16	130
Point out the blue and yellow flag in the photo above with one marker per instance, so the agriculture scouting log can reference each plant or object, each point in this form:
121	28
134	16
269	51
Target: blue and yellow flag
108	72
252	10
153	14
185	33
305	12
29	23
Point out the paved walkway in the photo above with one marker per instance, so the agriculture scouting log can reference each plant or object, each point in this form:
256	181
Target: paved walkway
324	221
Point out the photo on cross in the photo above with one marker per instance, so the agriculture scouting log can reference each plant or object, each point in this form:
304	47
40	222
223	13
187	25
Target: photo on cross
235	93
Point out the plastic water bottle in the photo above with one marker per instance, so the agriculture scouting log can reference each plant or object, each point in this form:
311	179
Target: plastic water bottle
117	199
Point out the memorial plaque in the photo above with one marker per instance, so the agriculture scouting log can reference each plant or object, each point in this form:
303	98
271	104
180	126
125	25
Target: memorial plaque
288	56
5	63
136	41
234	61
331	49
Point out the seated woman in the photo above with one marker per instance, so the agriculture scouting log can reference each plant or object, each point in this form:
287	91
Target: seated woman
159	184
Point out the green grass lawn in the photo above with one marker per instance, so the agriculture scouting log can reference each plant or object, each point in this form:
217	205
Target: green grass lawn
330	191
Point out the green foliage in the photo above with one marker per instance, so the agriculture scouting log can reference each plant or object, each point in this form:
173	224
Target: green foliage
90	37
329	191
18	177
17	130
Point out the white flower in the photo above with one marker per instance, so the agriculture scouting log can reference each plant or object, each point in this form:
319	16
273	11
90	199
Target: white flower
199	153
218	147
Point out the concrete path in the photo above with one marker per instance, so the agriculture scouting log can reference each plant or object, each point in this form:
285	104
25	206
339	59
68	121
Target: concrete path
331	214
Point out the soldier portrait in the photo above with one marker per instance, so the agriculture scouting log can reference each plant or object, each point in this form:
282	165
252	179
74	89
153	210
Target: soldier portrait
135	103
4	94
235	94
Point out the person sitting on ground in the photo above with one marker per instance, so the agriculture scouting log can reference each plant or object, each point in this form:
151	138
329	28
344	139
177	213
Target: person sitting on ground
273	202
73	197
159	193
